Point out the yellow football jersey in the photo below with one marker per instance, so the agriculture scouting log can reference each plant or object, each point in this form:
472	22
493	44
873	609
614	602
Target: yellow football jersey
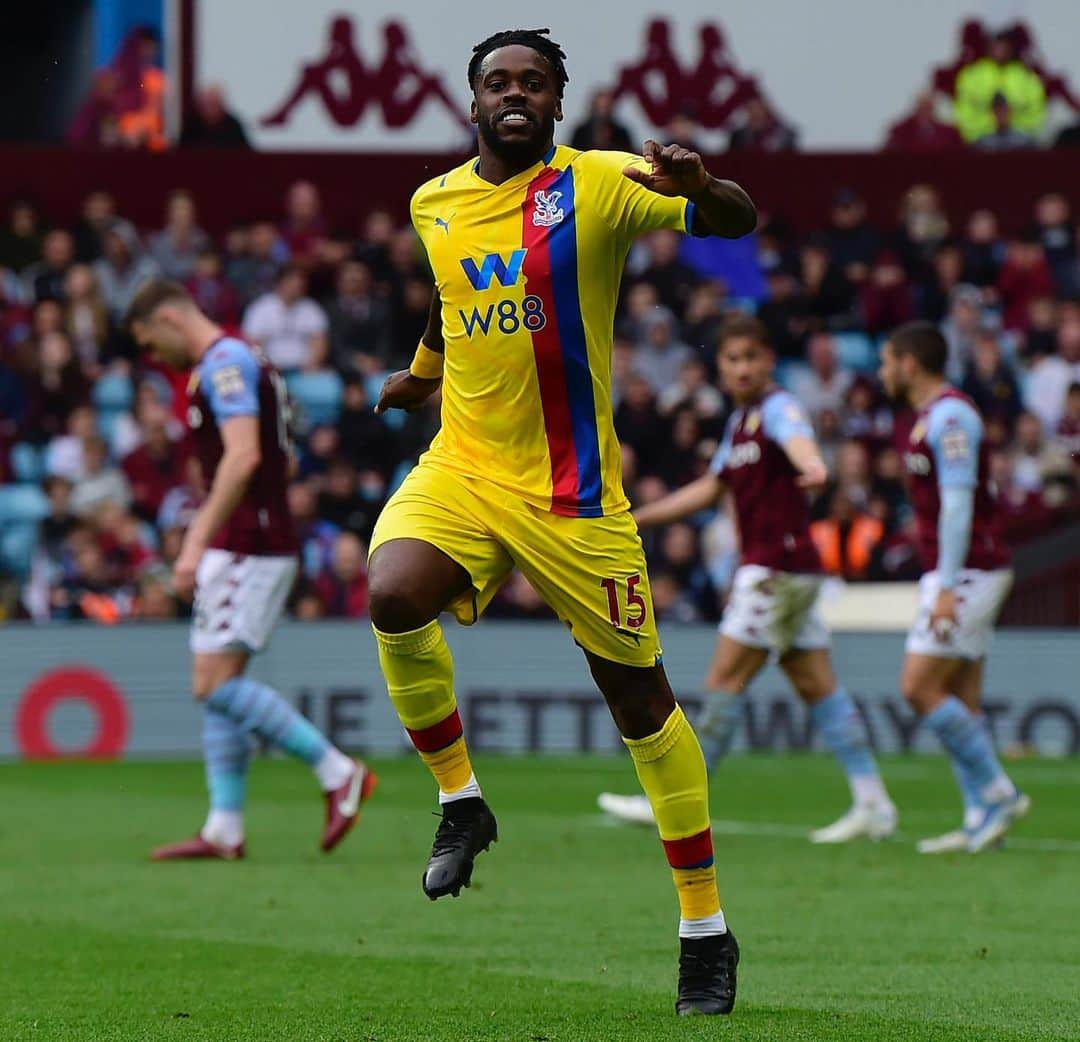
528	272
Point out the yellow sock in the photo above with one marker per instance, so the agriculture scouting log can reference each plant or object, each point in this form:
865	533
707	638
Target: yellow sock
672	772
419	674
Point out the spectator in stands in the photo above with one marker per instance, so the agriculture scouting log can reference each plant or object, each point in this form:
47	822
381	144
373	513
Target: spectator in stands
847	538
1068	428
785	313
359	322
98	210
1068	137
1025	277
100	482
409	321
922	230
922	131
866	418
672	279
153	595
56	389
963	322
823	386
86	318
95	122
762	130
984	252
990	383
850	238
640	302
1005	136
140	92
1057	234
212	291
829	295
703	317
659	355
304	228
999	73
210	124
1037	460
601	129
363	437
123	268
639	425
853	473
692	391
683	130
374	246
342	588
315	534
886	299
158	464
176	247
64	452
20	237
46	277
1052	375
289	325
937	287
341	502
256	261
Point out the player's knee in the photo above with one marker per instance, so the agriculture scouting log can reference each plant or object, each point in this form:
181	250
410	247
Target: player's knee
395	607
729	680
919	693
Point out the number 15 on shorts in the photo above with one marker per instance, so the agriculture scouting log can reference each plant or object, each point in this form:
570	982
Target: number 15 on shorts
637	609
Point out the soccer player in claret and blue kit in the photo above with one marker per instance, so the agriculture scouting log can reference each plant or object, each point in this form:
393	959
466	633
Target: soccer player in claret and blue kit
527	243
966	578
239	559
769	459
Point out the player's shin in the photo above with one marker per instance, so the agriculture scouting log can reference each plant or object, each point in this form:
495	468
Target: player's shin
225	752
843	729
419	673
260	709
967	741
716	725
672	772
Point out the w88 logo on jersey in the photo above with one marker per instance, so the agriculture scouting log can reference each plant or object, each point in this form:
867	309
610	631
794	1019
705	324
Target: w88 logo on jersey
505	316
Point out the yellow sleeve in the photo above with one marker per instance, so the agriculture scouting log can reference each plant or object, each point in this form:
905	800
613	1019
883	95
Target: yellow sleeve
417	213
625	206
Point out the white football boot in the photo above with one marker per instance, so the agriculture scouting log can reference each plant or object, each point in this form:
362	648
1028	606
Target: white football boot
632	809
864	821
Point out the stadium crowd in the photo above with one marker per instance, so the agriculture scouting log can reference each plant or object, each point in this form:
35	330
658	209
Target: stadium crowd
98	483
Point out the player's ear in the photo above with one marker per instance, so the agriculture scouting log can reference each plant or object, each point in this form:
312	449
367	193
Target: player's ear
474	115
558	110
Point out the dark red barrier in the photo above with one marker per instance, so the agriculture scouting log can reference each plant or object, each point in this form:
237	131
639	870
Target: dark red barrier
235	186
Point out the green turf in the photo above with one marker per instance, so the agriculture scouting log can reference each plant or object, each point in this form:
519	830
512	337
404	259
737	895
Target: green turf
568	934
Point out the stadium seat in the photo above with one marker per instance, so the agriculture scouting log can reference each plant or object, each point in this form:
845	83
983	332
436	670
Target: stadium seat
28	462
113	393
17	545
318	396
856	351
788	372
22	504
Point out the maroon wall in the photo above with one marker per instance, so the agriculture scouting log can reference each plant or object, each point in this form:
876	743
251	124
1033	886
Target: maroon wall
233	186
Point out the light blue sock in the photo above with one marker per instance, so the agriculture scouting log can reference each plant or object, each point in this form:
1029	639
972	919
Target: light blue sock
967	741
225	752
841	725
716	725
974	807
260	709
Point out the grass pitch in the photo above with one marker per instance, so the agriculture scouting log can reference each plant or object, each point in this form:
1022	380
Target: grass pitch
568	934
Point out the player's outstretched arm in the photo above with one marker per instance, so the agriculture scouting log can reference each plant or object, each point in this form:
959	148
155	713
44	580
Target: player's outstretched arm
805	456
239	461
410	388
684	502
722	207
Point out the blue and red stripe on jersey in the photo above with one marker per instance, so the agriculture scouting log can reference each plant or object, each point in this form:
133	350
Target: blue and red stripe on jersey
562	359
438	736
692	852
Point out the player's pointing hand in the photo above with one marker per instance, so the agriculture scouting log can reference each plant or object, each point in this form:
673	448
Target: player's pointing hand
402	390
675	171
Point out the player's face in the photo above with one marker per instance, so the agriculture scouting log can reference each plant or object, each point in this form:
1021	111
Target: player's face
515	103
161	338
891	374
745	367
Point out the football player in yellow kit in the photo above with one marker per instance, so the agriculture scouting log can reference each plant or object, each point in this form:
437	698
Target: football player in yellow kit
527	243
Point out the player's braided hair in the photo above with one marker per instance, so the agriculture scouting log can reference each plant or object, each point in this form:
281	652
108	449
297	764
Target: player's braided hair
537	39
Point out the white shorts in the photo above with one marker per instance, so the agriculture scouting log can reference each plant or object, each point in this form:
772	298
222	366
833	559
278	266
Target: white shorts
238	600
774	610
979	597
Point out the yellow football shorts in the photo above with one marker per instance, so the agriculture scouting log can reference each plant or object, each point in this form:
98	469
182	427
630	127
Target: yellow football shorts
590	571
